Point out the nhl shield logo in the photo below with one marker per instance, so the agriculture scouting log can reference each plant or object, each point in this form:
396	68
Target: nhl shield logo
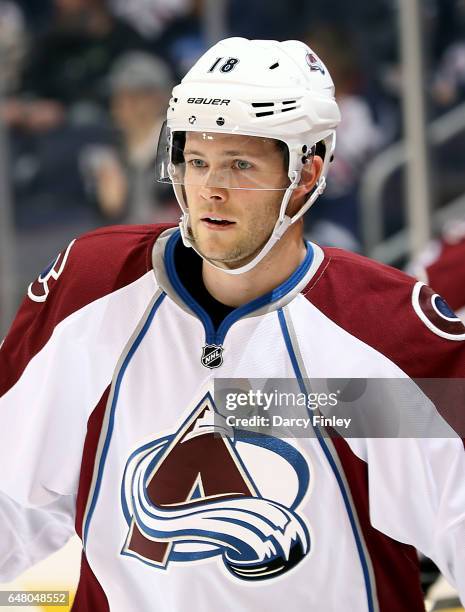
212	356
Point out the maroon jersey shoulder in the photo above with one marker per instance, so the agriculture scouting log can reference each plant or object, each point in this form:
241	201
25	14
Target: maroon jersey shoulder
112	257
379	305
90	267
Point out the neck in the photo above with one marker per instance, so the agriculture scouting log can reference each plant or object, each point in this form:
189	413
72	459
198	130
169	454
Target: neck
238	289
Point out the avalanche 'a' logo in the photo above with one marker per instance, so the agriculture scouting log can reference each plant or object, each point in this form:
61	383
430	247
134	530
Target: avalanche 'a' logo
314	63
38	291
436	314
195	495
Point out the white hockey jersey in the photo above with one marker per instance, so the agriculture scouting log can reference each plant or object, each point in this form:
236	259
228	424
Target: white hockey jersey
103	387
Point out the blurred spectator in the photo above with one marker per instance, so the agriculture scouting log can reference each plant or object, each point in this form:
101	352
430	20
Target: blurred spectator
122	181
47	184
372	26
37	14
335	221
66	65
441	265
12	45
280	21
183	41
449	16
149	17
448	83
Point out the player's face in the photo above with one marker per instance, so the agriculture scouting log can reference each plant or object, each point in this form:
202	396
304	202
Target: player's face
230	226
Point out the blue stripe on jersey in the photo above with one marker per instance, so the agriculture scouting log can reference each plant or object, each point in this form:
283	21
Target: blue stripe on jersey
238	313
182	291
109	433
327	452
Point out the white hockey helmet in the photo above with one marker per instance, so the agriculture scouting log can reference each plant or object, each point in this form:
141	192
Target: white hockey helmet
259	88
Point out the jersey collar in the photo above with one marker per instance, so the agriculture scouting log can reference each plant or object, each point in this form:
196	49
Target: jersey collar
168	279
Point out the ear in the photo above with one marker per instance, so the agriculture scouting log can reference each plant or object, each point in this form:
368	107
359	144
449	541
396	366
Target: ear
311	172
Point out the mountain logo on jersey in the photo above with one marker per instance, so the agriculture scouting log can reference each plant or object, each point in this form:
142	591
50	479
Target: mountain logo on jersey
436	314
197	496
212	356
39	290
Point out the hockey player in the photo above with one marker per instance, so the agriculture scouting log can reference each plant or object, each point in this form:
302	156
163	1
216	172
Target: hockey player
107	412
441	265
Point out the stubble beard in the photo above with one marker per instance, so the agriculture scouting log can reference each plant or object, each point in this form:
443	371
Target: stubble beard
239	254
248	245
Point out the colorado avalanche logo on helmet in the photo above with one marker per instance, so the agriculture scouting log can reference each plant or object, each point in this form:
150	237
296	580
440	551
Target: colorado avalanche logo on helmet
195	495
436	314
314	62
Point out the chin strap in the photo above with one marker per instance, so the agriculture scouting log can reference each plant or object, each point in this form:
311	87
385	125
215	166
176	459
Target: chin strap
278	231
282	223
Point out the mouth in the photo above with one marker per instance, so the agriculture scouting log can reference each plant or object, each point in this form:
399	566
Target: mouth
217	223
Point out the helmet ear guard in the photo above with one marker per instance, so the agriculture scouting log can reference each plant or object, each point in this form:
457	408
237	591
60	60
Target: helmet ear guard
320	185
294	105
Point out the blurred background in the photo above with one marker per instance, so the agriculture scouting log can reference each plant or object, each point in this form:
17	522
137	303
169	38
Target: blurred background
83	89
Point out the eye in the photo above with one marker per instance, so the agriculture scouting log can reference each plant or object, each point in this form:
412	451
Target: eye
197	163
242	164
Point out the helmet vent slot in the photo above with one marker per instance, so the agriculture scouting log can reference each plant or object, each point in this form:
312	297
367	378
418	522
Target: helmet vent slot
270	108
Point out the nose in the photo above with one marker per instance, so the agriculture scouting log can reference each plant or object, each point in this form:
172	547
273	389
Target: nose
211	193
213	184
